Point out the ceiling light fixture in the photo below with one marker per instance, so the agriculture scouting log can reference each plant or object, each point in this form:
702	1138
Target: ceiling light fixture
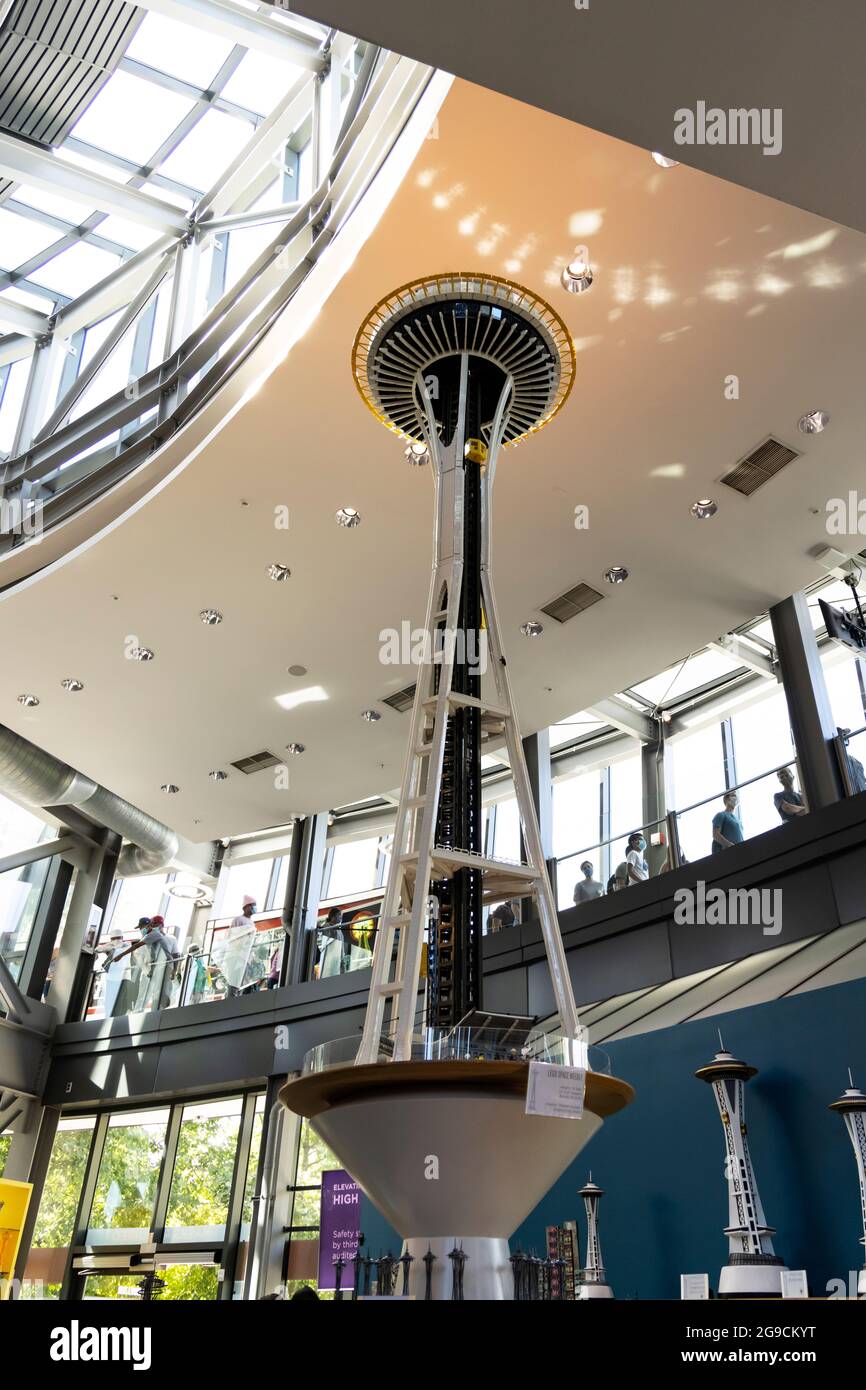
72	684
372	716
142	654
664	162
704	508
297	670
617	574
417	453
296	749
814	423
293	698
278	572
211	617
28	701
348	517
170	788
577	275
218	775
532	629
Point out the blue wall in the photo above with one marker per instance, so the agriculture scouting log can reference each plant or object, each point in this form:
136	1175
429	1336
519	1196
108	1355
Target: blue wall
661	1161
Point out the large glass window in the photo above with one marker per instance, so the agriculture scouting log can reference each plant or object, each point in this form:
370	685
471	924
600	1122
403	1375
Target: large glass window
5	1141
55	1220
123	1203
20	892
202	1180
353	868
626	795
698	771
314	1158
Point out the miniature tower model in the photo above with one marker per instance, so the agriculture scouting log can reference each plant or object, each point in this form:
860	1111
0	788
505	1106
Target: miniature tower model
852	1107
461	366
753	1269
593	1279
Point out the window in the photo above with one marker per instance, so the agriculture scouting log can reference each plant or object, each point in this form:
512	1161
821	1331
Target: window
314	1158
506	834
122	1212
259	82
576	821
353	868
21	239
131	117
203	154
626	795
698	772
55	1221
183	50
12	390
202	1180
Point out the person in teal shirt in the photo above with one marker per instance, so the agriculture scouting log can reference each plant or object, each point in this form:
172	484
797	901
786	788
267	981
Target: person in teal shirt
727	826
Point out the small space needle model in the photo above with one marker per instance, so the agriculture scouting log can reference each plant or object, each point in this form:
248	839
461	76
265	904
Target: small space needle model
851	1105
460	366
753	1269
593	1279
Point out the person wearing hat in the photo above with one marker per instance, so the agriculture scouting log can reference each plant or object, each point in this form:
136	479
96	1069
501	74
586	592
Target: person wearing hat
232	954
158	975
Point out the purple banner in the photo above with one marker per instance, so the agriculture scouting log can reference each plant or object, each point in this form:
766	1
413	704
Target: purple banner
339	1225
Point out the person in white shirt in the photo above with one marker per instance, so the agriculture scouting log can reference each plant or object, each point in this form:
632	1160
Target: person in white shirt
588	887
233	952
638	869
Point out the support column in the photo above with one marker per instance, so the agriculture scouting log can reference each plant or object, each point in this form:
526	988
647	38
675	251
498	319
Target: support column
654	804
809	710
36	1151
74	961
272	1201
536	750
300	914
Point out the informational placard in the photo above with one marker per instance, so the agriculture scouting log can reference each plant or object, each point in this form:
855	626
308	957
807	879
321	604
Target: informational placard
14	1201
555	1091
339	1225
694	1286
795	1283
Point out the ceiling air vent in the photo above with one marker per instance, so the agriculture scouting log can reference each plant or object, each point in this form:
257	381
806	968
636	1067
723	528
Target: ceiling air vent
759	466
257	762
575	601
401	700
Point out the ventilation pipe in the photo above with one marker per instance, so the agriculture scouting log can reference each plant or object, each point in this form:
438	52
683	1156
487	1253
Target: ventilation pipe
31	775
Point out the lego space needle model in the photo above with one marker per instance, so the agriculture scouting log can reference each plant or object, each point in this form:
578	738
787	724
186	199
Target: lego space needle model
851	1105
593	1277
753	1269
461	366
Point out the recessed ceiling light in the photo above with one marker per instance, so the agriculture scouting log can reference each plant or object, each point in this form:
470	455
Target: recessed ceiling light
28	701
297	670
218	775
293	698
704	508
617	574
278	573
417	453
348	517
577	275
170	788
295	749
532	629
372	716
664	162
211	617
814	422
72	684
141	654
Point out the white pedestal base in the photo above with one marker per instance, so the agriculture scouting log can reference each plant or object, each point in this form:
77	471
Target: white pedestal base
751	1281
594	1291
486	1274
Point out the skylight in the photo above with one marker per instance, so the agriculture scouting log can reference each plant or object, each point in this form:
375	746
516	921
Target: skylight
204	153
21	239
260	82
179	49
75	270
131	117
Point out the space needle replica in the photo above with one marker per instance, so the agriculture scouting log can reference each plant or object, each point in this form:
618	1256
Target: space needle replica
851	1105
428	1111
754	1269
593	1277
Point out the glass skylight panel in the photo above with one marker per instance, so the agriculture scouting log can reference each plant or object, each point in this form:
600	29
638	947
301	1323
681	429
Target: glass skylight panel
576	726
260	82
92	162
76	270
674	683
21	239
11	402
169	195
41	302
179	49
207	150
57	204
131	117
131	234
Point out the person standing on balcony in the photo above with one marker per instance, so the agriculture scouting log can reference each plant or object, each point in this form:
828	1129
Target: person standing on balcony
233	953
588	887
727	826
789	803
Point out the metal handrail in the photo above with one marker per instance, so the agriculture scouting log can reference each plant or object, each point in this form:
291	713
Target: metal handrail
736	786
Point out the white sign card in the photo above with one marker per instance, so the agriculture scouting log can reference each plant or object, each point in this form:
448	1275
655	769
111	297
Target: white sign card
795	1283
694	1286
556	1091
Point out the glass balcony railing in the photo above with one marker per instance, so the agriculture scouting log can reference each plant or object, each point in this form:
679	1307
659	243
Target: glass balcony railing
470	1045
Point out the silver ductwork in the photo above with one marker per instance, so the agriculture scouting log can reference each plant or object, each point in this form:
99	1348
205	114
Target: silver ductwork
31	775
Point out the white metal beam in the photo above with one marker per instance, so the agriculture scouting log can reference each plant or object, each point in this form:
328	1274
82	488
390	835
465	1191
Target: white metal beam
21	319
624	717
261	33
29	164
747	655
262	145
14	347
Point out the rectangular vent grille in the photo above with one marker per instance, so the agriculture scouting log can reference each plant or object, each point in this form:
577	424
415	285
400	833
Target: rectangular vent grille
575	601
759	467
257	762
401	700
